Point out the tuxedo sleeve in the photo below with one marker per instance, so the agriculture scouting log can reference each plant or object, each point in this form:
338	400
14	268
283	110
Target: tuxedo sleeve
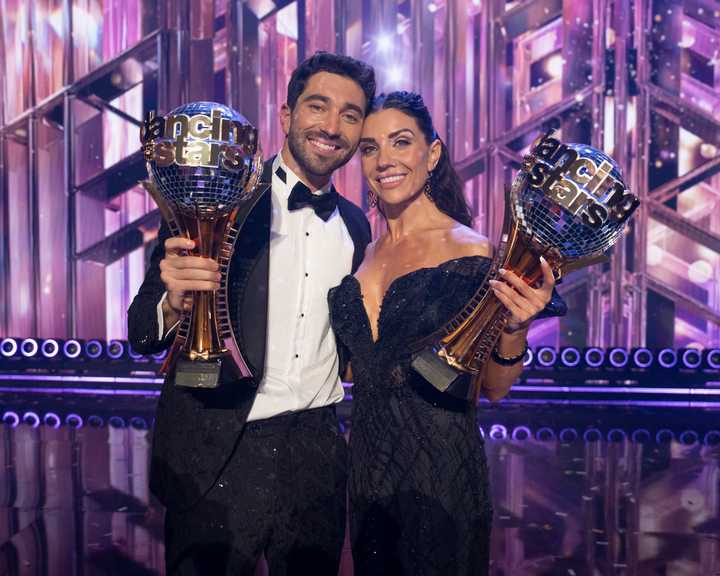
143	325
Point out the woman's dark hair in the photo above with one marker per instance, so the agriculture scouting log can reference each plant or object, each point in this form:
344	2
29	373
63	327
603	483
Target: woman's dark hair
447	188
361	73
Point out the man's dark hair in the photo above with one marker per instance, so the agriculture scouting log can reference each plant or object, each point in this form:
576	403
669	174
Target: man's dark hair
361	73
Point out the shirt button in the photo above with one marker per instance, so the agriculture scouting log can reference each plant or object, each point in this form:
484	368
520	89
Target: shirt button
307	233
302	315
306	274
297	356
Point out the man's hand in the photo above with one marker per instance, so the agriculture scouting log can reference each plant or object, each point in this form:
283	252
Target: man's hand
182	274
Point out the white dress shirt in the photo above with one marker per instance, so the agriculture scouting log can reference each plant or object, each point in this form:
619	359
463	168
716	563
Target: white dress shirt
307	257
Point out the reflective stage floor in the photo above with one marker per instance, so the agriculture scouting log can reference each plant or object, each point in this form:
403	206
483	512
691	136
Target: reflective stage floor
577	489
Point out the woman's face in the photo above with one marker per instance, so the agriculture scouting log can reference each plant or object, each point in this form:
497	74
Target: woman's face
396	159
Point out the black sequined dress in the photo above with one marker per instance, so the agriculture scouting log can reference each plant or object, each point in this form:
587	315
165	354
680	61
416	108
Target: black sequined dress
418	480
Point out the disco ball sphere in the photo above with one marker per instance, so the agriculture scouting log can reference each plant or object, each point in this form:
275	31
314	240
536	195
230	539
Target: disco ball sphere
203	133
550	224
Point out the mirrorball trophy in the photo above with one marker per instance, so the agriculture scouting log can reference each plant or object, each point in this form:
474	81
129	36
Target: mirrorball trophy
569	204
205	162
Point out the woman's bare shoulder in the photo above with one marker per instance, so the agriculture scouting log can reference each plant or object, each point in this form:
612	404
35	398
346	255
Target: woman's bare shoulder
469	242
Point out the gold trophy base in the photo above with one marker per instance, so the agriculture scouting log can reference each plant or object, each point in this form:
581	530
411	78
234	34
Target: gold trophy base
432	365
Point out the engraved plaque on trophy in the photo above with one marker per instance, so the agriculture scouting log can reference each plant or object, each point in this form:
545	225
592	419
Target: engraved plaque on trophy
568	203
204	162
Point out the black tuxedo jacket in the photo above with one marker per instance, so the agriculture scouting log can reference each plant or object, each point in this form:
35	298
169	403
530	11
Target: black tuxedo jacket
195	430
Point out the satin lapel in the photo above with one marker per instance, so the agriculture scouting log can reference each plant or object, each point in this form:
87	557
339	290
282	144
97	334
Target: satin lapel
249	278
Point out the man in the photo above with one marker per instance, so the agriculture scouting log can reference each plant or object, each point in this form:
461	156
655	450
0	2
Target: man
259	465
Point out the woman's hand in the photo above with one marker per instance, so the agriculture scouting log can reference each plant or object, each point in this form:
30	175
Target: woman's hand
523	301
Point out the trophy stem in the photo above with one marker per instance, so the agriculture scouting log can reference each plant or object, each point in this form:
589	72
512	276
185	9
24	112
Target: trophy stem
203	340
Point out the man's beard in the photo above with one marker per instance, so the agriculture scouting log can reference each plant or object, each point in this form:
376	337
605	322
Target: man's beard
311	164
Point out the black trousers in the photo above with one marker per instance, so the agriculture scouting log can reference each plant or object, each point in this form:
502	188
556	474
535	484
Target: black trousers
281	494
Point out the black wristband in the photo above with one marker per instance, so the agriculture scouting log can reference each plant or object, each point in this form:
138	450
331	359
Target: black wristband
495	355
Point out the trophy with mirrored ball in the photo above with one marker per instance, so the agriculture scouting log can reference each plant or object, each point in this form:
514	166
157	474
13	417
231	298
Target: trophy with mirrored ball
205	163
568	203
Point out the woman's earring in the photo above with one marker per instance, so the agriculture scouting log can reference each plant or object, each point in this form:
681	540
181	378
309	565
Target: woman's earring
428	189
372	199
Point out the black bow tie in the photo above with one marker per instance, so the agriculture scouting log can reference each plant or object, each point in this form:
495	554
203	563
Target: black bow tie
300	197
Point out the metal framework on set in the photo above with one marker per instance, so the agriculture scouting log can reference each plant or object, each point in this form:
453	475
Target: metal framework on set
637	78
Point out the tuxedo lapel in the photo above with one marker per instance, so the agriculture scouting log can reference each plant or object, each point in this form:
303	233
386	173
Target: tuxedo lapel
249	277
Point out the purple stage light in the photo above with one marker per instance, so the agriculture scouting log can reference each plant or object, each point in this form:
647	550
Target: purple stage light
72	348
667	358
521	433
50	348
712	358
74	420
691	358
664	435
11	419
51	419
546	356
594	357
482	432
134	355
139	423
570	356
29	347
498	432
545	434
642	357
8	347
712	438
115	349
31	418
640	436
618	357
689	437
616	435
160	356
95	421
592	435
116	422
568	435
528	358
93	349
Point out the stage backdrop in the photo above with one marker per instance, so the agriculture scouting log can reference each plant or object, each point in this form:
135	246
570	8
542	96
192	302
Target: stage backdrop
638	78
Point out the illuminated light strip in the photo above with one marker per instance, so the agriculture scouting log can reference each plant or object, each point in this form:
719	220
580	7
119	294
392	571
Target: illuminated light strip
619	390
588	402
648	403
82	391
71	378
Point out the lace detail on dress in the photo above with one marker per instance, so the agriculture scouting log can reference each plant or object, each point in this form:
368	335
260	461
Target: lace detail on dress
418	479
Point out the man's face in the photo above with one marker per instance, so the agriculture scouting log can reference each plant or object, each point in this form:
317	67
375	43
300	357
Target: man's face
323	129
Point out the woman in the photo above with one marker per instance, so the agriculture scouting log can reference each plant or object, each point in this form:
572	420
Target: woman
418	479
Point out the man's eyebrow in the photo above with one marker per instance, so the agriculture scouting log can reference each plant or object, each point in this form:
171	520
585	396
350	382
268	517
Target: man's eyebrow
367	140
354	107
326	100
320	97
